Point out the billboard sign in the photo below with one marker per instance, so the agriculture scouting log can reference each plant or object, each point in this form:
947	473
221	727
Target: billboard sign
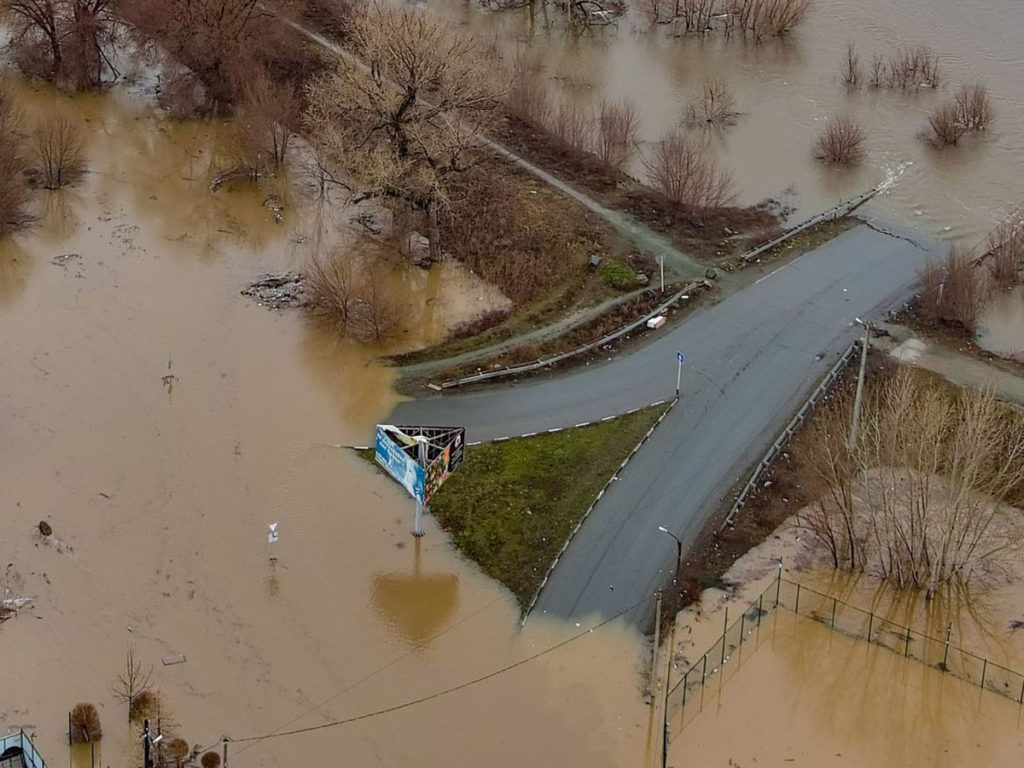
420	458
394	452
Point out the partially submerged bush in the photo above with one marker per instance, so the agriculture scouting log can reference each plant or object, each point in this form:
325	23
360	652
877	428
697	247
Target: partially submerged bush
14	193
616	133
841	143
955	291
57	153
686	176
973	106
716	105
85	724
353	298
945	127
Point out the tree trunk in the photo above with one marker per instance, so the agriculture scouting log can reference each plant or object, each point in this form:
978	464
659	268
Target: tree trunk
434	235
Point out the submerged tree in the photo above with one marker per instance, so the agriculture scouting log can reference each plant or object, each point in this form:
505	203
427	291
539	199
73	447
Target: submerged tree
403	125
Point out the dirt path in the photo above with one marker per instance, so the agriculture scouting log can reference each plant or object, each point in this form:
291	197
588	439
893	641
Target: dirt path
678	264
956	367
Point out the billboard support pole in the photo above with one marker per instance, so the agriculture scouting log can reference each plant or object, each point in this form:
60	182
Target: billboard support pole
417	529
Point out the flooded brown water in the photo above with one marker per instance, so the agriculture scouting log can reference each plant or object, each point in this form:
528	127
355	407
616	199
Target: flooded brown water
805	695
1001	326
786	90
160	490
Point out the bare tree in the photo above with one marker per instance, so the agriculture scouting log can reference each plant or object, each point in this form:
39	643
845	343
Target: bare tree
974	107
379	312
954	292
333	284
925	488
1006	253
853	72
769	18
528	97
716	105
913	68
14	193
572	126
686	177
841	143
273	111
132	681
616	134
404	127
39	27
58	153
945	126
879	73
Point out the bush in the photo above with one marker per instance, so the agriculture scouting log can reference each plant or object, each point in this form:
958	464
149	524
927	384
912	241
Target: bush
210	760
973	107
85	724
619	276
58	153
841	143
14	194
945	128
686	177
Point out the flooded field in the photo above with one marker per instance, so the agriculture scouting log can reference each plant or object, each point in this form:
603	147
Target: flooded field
785	90
805	695
158	421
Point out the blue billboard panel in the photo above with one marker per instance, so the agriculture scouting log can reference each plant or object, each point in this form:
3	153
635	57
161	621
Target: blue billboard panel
394	457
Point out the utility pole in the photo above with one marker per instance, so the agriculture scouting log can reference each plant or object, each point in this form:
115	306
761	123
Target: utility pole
679	552
661	265
860	385
680	357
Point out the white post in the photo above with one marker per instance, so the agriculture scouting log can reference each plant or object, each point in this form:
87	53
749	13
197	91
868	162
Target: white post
679	371
661	263
860	388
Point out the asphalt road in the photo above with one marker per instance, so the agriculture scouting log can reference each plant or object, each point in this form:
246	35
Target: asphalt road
751	360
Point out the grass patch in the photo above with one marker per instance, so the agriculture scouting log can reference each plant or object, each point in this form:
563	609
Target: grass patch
512	504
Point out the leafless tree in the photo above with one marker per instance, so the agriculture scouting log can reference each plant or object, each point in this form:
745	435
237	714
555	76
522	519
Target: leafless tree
913	68
221	41
841	143
687	177
768	18
853	72
572	126
529	98
716	105
616	133
14	193
58	153
379	312
132	681
1006	253
925	488
404	127
945	126
955	291
694	15
333	284
38	24
974	107
85	724
879	73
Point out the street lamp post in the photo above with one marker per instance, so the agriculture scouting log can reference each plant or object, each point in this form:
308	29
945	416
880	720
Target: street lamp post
860	383
679	552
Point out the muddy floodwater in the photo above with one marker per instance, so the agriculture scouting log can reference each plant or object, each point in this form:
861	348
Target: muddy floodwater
1001	325
159	421
786	90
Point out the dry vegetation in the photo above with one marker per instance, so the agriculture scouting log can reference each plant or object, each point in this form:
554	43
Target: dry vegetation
922	496
402	129
351	295
841	143
954	292
1006	254
686	176
747	19
969	111
58	154
67	41
716	105
85	724
14	192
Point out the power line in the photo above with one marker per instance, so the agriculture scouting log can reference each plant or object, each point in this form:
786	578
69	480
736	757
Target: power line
377	671
437	694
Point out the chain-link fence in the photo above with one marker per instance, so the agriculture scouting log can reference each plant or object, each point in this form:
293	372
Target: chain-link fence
686	696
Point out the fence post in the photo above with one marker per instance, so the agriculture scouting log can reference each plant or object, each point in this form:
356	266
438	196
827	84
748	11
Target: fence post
833	613
743	625
686	679
797	609
1021	699
871	620
945	653
984	669
725	632
906	648
704	670
778	584
760	610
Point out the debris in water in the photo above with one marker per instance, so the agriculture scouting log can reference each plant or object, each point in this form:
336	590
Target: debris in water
278	291
64	258
45	528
